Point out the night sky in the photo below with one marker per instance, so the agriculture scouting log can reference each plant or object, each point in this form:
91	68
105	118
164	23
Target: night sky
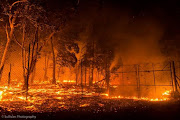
167	12
138	29
127	27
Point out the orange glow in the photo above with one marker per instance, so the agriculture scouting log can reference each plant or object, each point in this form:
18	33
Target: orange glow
39	95
165	96
69	81
1	93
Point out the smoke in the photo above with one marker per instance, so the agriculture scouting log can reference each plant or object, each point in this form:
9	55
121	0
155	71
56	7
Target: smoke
132	39
138	42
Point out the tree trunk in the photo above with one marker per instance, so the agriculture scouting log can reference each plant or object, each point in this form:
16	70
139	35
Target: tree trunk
28	73
92	68
59	73
107	71
85	75
33	75
32	59
9	37
12	19
54	63
9	76
82	76
77	71
23	57
91	75
46	67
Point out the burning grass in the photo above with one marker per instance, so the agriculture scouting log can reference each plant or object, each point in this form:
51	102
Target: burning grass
47	97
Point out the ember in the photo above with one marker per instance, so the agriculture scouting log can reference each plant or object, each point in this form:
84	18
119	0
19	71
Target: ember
69	81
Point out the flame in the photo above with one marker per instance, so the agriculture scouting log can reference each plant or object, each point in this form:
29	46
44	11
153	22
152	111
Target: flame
167	92
84	105
164	97
69	81
1	93
141	98
38	95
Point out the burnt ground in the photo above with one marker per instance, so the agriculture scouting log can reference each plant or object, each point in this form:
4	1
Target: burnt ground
109	110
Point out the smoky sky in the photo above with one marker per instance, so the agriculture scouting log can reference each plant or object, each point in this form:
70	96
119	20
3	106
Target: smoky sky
167	12
136	30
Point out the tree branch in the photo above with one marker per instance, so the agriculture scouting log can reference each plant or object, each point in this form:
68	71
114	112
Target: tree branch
17	3
17	41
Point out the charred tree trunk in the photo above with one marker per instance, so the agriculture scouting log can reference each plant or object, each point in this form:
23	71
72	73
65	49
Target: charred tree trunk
28	73
92	66
33	75
23	57
54	63
32	59
77	72
92	75
9	76
107	71
81	77
85	75
1	71
59	72
46	67
89	75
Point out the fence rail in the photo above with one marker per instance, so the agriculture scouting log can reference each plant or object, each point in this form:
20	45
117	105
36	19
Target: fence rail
140	77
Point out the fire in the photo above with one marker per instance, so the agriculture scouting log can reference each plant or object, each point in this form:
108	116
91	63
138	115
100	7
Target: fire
1	93
167	93
69	81
141	98
54	96
84	105
164	97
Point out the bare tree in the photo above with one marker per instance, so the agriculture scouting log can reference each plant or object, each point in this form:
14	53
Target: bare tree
54	63
12	15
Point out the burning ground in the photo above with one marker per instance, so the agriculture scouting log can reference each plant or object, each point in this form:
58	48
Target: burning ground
52	102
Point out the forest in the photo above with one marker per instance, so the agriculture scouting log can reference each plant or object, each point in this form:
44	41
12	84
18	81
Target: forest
85	55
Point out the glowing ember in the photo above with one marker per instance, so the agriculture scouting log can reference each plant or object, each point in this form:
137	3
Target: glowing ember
45	97
167	93
164	97
141	98
84	105
104	94
69	81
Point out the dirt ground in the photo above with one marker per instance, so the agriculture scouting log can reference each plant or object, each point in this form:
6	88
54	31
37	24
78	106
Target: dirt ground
101	109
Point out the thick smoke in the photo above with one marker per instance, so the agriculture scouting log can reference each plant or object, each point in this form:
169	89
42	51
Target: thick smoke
132	39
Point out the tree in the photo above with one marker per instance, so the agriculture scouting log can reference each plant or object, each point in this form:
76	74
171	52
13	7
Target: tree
12	16
67	47
54	63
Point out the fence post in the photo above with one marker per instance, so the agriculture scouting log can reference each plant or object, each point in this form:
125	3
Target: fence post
174	75
138	80
154	78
